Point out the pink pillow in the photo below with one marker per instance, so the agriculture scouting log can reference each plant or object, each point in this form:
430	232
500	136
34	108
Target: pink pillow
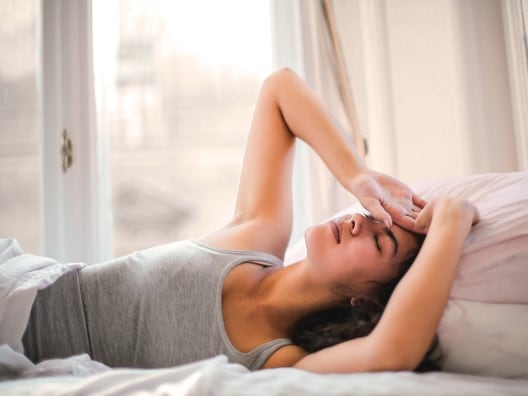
494	266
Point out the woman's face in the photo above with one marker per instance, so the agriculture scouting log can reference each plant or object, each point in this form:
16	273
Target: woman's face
353	252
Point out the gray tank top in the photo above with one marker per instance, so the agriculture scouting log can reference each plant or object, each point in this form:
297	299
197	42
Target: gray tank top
159	307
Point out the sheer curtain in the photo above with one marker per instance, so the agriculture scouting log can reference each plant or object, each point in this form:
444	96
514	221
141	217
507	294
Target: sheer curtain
178	84
330	76
332	45
319	58
20	143
515	15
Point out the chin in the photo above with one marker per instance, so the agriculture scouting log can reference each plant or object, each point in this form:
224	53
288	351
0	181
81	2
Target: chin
310	233
312	237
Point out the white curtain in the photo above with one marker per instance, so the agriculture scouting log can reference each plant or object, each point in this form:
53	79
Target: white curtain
515	15
325	69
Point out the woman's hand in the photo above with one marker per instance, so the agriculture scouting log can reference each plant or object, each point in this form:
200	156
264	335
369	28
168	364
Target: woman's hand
387	199
445	208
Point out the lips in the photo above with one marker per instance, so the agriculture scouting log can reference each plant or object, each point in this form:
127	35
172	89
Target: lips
335	231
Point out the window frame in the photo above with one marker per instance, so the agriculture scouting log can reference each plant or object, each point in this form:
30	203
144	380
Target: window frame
76	207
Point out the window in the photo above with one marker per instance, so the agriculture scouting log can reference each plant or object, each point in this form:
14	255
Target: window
179	82
20	159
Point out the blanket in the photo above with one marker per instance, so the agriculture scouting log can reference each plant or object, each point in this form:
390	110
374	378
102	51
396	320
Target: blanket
21	276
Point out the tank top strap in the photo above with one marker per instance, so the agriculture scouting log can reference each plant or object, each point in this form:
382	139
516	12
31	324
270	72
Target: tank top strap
256	358
262	258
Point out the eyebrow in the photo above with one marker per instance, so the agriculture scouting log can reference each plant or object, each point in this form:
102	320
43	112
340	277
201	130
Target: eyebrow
394	240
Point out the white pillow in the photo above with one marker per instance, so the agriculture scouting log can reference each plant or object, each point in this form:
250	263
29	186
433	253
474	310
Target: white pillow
484	339
483	330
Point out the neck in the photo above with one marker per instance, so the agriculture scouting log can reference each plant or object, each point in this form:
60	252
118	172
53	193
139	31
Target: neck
288	294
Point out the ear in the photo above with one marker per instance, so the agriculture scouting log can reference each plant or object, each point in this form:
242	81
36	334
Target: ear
357	301
365	302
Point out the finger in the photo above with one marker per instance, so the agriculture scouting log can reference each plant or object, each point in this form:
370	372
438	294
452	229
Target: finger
418	201
413	215
379	213
395	211
476	218
415	212
409	224
418	227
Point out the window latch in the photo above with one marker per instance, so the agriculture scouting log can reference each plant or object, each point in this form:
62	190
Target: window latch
66	151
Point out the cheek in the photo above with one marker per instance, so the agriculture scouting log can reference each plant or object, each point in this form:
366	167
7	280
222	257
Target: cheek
321	252
316	241
313	250
361	254
362	262
349	263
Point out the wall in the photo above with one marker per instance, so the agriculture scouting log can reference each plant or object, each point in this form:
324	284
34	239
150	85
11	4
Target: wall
431	82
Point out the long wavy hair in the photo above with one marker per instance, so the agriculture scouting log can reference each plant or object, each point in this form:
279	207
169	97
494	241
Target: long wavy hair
332	326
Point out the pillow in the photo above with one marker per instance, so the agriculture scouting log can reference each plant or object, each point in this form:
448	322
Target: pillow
484	339
484	325
483	329
494	265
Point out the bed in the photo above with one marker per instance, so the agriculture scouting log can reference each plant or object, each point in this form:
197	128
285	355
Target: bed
483	332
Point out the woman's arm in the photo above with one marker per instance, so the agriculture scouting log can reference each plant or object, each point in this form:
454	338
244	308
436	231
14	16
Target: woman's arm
308	119
287	109
409	322
263	211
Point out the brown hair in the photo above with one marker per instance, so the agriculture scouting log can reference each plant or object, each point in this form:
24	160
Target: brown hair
332	326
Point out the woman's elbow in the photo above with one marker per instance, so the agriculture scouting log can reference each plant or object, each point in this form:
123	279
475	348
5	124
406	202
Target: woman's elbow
280	80
281	74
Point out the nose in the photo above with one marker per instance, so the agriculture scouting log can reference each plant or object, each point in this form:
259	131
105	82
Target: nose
359	222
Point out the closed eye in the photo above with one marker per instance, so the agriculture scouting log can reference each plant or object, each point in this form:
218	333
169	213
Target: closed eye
376	238
378	244
389	233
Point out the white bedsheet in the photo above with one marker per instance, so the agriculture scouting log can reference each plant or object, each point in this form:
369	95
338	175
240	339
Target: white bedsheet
217	377
21	276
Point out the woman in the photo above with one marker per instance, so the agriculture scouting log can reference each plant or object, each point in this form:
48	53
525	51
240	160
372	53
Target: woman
228	293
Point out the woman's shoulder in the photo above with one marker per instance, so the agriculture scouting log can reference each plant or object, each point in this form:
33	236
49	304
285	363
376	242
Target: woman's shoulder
286	356
255	236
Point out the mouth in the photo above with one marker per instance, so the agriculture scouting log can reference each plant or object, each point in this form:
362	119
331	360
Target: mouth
335	231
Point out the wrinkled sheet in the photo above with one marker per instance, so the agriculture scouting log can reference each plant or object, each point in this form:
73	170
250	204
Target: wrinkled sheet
217	377
21	276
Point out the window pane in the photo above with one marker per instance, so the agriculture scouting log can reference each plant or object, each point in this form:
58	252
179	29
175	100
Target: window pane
19	143
178	110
